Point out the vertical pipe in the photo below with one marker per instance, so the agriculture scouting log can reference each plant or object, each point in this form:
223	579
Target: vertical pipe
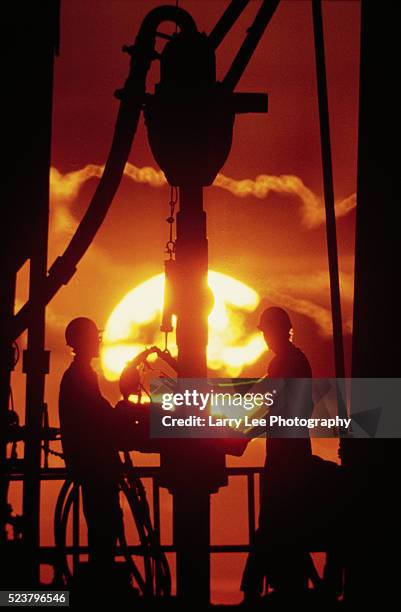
156	507
7	296
35	357
251	505
191	526
191	497
192	266
331	232
374	465
75	530
35	367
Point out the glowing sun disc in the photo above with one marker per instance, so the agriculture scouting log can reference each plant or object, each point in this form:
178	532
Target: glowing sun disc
135	324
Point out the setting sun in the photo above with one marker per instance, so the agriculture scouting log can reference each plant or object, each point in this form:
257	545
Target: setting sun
135	324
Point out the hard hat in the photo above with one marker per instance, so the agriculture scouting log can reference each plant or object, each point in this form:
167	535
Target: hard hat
81	330
275	318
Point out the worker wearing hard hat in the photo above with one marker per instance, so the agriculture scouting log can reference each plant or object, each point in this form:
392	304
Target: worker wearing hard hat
92	433
287	461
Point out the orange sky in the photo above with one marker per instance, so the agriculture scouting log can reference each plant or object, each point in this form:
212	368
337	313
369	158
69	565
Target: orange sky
261	241
265	242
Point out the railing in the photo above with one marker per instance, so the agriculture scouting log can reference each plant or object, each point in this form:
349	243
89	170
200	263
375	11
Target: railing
48	553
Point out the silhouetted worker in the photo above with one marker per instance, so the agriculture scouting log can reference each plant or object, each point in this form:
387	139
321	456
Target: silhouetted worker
278	549
91	433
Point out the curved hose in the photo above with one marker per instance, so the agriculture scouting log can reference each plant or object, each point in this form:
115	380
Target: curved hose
136	496
63	506
130	562
147	588
132	98
134	491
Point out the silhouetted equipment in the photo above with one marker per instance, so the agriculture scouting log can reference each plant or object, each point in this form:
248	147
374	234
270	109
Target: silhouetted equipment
188	85
39	28
168	296
155	579
132	97
196	113
372	573
193	111
189	107
331	230
140	439
132	390
28	78
310	519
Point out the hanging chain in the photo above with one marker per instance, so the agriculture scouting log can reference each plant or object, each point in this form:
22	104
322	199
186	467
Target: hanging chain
170	244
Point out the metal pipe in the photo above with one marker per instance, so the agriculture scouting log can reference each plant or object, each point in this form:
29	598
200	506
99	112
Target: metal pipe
36	358
254	34
331	232
226	21
132	98
7	296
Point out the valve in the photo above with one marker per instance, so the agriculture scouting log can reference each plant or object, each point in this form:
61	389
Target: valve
192	110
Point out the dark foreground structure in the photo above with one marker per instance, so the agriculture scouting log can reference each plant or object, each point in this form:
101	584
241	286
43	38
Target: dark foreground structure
372	465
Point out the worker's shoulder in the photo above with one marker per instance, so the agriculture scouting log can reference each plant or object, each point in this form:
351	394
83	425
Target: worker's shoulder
67	376
293	363
78	381
77	371
300	363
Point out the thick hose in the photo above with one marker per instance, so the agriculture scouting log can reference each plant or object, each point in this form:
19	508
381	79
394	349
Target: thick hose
134	492
132	98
